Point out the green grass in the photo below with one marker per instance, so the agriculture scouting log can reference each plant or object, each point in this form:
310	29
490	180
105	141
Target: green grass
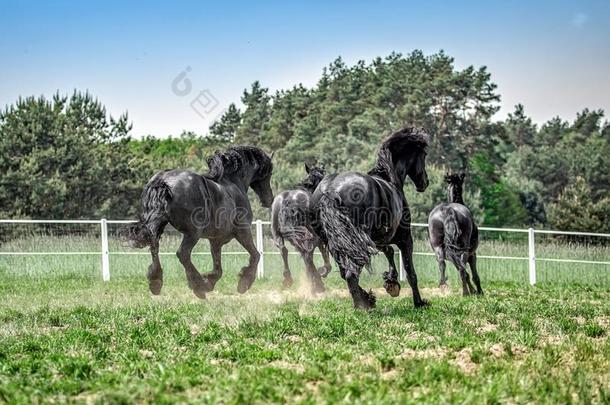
65	336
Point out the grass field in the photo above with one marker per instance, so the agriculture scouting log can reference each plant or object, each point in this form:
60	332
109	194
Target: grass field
65	336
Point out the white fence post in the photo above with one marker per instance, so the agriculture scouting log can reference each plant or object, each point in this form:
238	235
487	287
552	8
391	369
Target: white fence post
260	270
532	254
105	260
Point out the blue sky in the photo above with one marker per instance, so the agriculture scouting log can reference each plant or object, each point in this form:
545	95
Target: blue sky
552	56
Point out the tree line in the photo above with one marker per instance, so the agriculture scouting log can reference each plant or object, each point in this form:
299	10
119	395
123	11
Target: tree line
65	157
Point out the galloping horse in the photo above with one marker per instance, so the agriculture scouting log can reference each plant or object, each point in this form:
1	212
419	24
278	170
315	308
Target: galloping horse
453	233
357	214
290	221
213	206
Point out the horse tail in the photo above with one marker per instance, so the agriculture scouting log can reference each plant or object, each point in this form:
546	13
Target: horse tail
149	227
292	227
349	245
453	236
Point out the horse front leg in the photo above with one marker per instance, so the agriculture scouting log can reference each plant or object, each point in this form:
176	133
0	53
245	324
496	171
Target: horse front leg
288	281
405	244
326	268
247	275
390	277
195	281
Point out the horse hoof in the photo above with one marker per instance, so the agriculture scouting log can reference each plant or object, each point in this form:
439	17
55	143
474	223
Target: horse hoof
287	283
365	305
392	288
367	302
199	293
244	284
324	271
155	286
318	288
422	304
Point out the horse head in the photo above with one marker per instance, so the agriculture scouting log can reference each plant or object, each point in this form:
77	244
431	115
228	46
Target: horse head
315	175
261	179
404	154
455	184
248	166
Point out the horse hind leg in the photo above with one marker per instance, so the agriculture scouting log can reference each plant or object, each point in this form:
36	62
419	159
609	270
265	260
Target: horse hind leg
216	273
288	281
472	261
362	299
155	272
467	287
317	286
439	251
326	268
195	281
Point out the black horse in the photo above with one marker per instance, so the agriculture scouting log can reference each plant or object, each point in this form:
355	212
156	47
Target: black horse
290	221
357	214
213	206
454	234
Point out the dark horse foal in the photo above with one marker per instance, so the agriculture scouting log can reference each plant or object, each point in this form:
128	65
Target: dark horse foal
213	206
454	234
356	214
290	221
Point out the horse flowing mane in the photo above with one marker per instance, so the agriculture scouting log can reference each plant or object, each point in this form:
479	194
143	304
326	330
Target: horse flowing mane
395	145
235	159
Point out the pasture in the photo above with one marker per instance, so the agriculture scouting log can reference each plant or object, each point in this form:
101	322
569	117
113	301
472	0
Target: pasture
67	336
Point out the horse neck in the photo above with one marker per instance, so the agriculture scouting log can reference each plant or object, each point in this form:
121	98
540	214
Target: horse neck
455	196
242	179
395	173
308	186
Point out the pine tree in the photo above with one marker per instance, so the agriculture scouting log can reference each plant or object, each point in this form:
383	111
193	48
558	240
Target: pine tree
226	127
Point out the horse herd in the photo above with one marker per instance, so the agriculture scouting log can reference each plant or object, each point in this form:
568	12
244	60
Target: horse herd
349	216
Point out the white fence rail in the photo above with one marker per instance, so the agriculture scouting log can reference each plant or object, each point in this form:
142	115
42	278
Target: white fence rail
105	253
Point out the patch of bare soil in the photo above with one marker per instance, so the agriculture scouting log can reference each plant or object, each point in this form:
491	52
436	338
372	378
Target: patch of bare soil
293	338
519	350
284	365
463	360
390	375
367	360
550	340
487	327
602	321
432	353
497	350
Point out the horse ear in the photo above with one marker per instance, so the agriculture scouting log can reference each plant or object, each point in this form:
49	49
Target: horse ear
307	169
447	177
272	155
462	175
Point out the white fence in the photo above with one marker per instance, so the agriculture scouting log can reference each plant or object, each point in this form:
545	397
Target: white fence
104	251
